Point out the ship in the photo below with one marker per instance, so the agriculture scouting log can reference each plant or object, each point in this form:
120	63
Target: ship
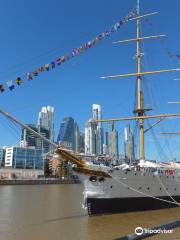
144	185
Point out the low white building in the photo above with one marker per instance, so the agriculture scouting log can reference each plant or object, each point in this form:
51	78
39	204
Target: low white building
6	173
23	158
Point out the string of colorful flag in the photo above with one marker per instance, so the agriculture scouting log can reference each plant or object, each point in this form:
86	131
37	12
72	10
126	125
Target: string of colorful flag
64	58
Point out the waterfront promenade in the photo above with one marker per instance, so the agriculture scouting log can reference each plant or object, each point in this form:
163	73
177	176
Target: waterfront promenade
38	181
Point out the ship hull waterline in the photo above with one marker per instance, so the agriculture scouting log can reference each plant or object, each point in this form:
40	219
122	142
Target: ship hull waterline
99	206
128	191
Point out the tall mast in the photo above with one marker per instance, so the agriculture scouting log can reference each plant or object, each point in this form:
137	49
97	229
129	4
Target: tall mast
139	74
140	110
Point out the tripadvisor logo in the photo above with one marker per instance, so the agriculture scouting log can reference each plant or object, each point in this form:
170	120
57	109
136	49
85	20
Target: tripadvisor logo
138	231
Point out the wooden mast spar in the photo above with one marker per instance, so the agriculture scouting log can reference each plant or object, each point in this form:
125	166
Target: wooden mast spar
140	109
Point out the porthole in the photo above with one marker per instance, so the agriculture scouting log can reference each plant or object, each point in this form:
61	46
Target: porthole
101	179
111	186
148	188
93	178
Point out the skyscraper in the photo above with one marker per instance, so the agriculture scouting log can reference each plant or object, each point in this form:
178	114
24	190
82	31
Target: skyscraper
129	145
69	134
97	115
81	142
28	139
94	133
2	156
90	137
46	147
46	120
112	142
76	137
96	112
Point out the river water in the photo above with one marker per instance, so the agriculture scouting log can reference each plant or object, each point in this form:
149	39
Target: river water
54	212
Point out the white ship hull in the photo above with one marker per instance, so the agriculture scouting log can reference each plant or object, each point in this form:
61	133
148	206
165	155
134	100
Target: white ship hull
129	191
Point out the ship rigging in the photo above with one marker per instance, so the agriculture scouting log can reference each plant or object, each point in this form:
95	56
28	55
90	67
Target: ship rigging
140	110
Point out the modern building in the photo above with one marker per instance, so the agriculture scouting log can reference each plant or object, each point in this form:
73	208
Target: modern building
81	142
90	138
112	142
29	139
68	136
94	138
97	115
76	137
96	112
46	120
23	158
105	149
42	145
129	145
2	156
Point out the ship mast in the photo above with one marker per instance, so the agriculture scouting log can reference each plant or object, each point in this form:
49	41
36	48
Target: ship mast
140	117
140	109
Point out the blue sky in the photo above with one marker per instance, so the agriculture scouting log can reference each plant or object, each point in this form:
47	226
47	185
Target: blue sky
36	32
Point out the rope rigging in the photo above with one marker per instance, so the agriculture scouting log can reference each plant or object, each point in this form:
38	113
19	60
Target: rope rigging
160	150
12	127
164	44
149	95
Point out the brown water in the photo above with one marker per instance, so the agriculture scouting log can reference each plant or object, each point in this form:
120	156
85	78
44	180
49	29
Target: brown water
54	212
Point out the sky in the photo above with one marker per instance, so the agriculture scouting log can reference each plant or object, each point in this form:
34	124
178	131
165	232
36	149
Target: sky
39	31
